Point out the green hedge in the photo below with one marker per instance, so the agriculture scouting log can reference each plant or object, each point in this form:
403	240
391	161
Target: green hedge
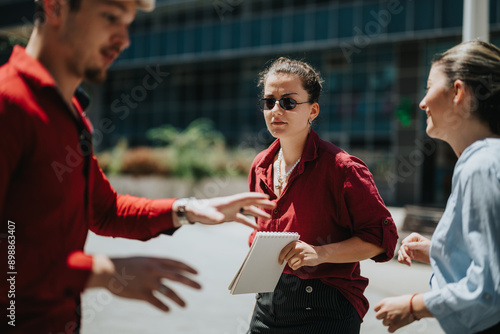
196	152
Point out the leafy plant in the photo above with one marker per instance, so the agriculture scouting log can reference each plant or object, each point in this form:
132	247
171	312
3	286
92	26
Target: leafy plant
111	161
144	161
195	152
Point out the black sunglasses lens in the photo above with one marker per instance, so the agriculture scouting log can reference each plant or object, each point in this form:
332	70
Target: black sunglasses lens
262	104
288	103
267	104
270	103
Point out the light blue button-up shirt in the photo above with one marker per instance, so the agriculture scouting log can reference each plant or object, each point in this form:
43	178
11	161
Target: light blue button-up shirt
465	247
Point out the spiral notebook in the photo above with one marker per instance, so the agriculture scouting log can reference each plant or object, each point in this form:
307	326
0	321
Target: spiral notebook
260	271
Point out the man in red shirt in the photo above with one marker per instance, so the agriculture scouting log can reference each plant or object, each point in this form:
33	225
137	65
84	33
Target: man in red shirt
52	190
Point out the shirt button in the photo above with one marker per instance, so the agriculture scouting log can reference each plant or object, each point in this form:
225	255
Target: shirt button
308	308
309	289
386	221
275	211
487	296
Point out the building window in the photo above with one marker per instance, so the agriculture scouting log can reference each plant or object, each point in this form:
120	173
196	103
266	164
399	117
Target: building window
452	13
321	25
423	16
345	21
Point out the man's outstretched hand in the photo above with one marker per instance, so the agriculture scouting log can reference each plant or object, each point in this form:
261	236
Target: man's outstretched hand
229	208
139	277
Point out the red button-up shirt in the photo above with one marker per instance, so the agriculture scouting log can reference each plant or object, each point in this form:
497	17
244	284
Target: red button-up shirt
52	192
330	197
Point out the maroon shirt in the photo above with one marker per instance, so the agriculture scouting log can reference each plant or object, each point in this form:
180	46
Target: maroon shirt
330	197
54	193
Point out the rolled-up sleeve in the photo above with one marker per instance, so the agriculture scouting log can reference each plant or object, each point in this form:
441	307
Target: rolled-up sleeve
472	301
370	219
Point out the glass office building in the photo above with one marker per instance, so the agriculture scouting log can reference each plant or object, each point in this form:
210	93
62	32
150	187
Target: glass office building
201	58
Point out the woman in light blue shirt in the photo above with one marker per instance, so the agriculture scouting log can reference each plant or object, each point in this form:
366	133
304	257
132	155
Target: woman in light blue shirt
463	108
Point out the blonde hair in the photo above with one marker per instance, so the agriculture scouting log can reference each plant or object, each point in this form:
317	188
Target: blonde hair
477	64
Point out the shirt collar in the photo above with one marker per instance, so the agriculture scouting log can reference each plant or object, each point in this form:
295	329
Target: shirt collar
30	68
34	72
310	152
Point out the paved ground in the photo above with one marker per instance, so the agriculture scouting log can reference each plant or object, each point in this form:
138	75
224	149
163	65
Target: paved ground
217	252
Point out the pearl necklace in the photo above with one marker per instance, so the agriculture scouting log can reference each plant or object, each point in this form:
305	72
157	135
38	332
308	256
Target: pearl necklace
282	178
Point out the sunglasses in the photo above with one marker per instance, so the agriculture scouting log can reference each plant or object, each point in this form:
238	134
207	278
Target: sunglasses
286	103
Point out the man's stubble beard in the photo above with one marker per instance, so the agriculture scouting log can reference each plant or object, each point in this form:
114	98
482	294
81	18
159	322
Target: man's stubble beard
95	75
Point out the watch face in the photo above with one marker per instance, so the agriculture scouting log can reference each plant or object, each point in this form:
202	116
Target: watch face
181	212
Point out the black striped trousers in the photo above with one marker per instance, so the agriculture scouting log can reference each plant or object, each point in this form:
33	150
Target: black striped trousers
303	306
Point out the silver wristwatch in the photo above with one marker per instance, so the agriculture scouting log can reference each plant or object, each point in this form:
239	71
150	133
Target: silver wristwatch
181	211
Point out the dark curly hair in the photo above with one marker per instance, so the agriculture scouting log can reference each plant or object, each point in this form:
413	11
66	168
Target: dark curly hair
310	78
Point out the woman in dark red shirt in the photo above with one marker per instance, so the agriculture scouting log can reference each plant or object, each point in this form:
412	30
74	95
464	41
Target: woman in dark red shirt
325	195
